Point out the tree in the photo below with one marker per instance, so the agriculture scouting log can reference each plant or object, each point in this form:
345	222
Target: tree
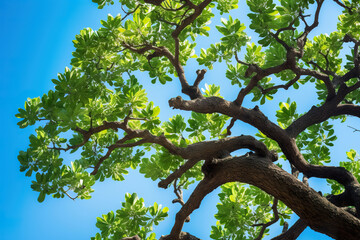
99	112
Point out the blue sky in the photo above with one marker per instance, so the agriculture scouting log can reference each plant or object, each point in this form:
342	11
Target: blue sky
35	46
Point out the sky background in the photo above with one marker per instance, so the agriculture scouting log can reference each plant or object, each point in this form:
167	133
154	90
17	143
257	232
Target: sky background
36	44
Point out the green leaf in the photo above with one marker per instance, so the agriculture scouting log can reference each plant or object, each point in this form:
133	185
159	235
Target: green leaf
41	197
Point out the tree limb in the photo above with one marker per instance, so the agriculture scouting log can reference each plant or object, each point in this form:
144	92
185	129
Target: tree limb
285	138
310	206
294	232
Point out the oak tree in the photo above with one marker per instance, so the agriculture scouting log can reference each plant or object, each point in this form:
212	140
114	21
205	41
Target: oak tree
100	113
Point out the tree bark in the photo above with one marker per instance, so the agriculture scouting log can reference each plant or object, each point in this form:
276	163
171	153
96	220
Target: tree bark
315	210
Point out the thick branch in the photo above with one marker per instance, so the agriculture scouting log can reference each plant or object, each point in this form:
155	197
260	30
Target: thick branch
205	186
294	232
310	206
208	150
195	152
347	109
314	209
285	138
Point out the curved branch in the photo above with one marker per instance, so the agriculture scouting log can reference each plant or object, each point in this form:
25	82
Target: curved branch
190	19
285	138
284	86
194	152
192	91
329	109
320	76
302	38
204	187
343	5
314	209
208	150
294	232
310	206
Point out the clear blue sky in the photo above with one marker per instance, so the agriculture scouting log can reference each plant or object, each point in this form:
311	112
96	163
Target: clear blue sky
36	45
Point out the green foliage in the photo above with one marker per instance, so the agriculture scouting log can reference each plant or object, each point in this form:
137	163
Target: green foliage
102	3
270	144
132	219
66	109
101	86
226	5
201	124
266	17
324	50
352	165
234	38
287	113
233	30
211	90
347	21
315	143
241	207
29	113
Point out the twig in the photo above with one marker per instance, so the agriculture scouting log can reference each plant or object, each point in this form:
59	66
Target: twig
239	61
284	86
301	40
343	5
355	129
179	193
266	225
128	13
348	38
200	77
174	9
276	35
72	198
228	129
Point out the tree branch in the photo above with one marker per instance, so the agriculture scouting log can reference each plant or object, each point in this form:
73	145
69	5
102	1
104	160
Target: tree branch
347	109
285	138
200	77
343	5
302	38
228	129
204	187
280	30
208	150
179	194
187	21
321	76
268	224
294	232
284	86
319	213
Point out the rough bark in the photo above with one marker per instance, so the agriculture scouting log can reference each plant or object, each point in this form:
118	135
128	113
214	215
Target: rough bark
315	210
